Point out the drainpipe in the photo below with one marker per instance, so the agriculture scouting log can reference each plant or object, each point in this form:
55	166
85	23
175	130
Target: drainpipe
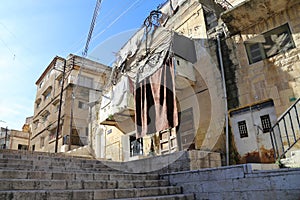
225	98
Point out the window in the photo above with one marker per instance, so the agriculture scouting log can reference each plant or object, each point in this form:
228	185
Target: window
86	131
269	44
60	81
243	129
38	103
56	105
85	81
45	116
42	142
47	93
41	84
266	123
35	124
136	146
82	105
22	147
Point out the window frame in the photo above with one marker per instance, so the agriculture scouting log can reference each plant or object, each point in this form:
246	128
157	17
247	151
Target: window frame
85	81
42	142
263	38
136	144
266	124
82	105
243	129
47	93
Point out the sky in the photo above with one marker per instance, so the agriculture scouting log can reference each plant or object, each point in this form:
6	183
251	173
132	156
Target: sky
33	32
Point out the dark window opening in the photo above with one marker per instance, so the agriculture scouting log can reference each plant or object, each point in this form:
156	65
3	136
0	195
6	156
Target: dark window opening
22	147
266	123
136	146
243	129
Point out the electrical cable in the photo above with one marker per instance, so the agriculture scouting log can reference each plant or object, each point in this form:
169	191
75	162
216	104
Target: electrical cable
113	22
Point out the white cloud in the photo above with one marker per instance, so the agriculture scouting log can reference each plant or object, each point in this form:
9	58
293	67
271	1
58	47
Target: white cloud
14	112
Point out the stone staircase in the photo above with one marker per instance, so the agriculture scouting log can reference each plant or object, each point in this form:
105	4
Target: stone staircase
38	176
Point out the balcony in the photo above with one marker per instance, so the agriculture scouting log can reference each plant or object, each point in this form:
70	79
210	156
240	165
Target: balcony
118	104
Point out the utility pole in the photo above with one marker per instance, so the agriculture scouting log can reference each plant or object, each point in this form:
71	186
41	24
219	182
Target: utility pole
60	104
5	137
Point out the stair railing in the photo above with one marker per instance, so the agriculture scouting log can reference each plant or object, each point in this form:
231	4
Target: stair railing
285	133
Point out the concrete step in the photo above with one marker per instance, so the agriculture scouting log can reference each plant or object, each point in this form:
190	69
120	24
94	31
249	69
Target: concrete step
98	194
293	161
165	197
37	184
53	164
51	175
35	176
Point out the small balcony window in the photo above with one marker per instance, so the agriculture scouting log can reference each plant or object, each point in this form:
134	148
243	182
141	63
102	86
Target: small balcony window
45	116
47	93
38	103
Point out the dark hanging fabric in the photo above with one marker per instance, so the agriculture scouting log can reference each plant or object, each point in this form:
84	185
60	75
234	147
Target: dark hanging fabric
155	101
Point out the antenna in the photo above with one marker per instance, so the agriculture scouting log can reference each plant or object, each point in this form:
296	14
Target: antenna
96	12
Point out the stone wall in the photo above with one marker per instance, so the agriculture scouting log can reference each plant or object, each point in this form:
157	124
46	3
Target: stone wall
276	77
249	181
175	162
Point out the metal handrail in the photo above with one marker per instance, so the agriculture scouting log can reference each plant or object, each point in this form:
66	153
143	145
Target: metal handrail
287	113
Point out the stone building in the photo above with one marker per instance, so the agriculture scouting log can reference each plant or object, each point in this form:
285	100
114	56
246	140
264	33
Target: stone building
179	36
262	66
13	139
245	71
66	91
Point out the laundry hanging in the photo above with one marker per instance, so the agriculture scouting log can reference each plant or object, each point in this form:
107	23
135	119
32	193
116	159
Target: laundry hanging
155	101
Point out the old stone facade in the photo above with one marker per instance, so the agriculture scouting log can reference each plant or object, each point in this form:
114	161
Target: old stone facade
257	74
67	87
14	139
199	99
264	52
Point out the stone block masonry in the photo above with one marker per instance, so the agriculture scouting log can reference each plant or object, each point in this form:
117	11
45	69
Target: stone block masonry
249	181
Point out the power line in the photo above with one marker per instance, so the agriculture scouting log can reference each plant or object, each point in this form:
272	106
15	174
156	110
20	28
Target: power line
16	38
10	50
106	17
113	22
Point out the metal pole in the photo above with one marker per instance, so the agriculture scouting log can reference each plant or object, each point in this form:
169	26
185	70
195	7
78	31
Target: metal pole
5	137
225	99
60	104
71	120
